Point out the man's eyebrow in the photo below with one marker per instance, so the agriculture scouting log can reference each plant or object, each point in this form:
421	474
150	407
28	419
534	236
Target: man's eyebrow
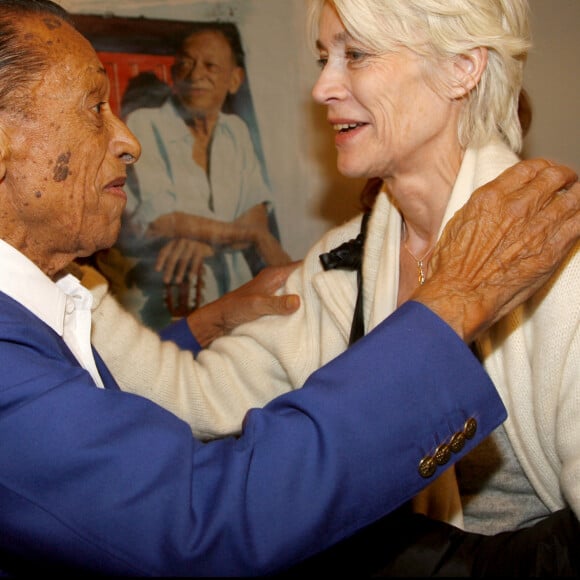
96	88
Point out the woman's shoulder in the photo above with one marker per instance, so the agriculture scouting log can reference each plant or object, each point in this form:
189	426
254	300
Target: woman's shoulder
334	238
340	234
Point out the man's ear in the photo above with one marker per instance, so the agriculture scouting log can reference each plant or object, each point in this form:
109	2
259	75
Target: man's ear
467	71
4	151
238	76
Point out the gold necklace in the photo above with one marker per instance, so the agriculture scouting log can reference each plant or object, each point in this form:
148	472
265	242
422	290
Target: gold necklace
419	261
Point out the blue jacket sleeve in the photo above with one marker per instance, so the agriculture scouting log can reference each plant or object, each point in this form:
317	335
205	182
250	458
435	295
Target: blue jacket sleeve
104	480
179	333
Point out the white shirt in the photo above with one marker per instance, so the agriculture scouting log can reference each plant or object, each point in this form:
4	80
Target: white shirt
65	306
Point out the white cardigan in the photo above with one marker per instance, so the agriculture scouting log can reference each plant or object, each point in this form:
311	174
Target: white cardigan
533	355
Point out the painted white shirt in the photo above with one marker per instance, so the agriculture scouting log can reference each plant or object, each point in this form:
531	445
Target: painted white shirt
168	180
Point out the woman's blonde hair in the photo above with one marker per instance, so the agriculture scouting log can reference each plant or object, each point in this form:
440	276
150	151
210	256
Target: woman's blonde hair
443	29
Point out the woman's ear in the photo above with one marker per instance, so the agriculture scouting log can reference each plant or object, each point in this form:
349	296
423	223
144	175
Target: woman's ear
467	71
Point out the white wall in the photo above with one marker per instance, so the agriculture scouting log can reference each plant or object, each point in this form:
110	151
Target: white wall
309	194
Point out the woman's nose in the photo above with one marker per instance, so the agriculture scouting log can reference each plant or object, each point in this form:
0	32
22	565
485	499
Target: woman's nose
329	85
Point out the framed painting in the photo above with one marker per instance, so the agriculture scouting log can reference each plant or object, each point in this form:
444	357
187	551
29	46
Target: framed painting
171	82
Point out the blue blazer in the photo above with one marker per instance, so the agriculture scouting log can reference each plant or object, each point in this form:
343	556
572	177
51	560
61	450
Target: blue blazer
107	481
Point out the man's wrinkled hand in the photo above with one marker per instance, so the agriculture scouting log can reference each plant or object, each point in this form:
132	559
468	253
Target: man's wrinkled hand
503	245
253	300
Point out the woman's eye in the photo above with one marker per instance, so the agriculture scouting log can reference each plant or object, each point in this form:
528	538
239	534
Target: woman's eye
355	55
321	61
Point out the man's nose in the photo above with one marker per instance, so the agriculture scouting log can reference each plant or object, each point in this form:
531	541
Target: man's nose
196	70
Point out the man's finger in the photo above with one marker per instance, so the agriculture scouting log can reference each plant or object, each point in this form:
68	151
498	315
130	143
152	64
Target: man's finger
285	304
550	181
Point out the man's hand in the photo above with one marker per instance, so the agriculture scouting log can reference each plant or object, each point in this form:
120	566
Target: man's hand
503	245
252	300
181	257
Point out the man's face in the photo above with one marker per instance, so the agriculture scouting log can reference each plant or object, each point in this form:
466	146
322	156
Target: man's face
66	169
205	72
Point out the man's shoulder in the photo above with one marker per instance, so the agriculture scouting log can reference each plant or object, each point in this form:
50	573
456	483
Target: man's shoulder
12	310
234	124
20	328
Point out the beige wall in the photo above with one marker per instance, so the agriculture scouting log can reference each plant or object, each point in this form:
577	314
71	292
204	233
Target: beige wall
553	81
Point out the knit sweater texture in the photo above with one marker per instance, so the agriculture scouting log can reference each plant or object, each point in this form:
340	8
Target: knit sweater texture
532	355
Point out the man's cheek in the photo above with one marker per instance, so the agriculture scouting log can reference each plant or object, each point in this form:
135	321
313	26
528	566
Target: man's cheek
61	171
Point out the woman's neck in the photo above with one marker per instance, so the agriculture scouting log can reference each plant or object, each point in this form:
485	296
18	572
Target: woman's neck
422	198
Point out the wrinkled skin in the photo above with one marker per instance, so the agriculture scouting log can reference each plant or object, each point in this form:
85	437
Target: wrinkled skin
503	245
252	300
391	123
399	125
62	175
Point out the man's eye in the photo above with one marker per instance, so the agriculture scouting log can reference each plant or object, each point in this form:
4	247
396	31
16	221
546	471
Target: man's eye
183	66
98	108
322	61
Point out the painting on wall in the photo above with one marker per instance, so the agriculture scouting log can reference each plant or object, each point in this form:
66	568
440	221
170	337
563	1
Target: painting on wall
199	219
134	49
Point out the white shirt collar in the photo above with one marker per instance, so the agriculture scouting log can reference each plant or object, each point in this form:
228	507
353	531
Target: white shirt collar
64	305
23	281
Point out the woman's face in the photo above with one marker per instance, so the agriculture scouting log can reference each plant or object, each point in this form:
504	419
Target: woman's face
387	118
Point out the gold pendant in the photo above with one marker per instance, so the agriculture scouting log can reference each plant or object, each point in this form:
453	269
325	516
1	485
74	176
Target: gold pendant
421	272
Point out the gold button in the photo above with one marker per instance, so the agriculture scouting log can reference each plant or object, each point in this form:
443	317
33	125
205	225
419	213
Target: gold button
427	467
457	442
442	454
470	428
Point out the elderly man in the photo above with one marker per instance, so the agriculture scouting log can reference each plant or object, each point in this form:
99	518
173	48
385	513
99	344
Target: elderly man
97	480
199	189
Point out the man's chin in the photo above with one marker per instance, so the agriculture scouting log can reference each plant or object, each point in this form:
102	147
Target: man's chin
107	240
